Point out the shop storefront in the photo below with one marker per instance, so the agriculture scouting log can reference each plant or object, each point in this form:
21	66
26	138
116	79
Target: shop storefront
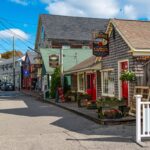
85	77
122	59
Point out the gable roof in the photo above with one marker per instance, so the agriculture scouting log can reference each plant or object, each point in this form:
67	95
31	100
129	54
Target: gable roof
88	64
8	61
71	28
136	33
31	56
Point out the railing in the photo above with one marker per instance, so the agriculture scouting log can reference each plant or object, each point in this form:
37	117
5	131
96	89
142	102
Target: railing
142	118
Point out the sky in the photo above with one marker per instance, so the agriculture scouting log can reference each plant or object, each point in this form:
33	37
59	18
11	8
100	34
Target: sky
19	18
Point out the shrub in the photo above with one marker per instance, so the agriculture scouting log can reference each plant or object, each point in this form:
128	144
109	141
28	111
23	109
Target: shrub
55	81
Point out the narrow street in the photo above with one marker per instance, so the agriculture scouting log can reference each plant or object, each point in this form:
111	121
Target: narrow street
28	124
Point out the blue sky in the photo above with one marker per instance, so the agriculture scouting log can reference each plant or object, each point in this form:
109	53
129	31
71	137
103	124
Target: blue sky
21	16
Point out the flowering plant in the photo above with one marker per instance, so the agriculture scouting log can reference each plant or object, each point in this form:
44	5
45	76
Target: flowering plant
128	76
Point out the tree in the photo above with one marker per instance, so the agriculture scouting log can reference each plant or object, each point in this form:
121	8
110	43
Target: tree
9	54
56	81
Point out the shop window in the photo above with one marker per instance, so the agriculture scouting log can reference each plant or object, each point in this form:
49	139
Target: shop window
81	82
108	83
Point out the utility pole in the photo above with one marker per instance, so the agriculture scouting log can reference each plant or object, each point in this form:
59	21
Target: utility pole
14	62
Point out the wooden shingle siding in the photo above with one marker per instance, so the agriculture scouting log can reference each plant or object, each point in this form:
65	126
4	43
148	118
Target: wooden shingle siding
118	50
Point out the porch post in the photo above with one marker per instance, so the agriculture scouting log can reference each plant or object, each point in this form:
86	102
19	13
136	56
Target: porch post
138	118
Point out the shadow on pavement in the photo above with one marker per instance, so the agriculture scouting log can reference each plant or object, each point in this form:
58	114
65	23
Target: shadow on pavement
70	121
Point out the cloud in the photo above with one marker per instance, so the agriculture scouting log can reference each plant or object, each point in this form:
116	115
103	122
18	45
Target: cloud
128	9
94	8
21	2
130	12
17	33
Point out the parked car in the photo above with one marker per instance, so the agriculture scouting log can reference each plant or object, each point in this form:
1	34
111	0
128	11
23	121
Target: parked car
7	87
3	86
1	83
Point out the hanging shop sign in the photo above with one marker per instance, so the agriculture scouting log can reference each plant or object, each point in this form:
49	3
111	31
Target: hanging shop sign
100	44
54	61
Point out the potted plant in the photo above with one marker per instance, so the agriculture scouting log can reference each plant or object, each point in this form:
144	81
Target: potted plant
128	76
109	103
82	99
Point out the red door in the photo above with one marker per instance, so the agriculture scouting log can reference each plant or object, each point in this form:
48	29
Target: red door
124	84
91	85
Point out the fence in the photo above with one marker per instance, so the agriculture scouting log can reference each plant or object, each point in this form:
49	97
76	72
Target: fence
142	118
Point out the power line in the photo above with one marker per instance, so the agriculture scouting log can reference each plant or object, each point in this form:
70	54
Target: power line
18	22
4	47
14	32
5	41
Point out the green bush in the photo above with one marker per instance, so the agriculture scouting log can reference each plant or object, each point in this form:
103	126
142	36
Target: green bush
128	76
55	81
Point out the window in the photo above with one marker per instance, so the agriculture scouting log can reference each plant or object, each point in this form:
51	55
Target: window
108	83
81	82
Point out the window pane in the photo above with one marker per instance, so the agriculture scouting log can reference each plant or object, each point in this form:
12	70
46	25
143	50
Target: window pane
81	82
108	82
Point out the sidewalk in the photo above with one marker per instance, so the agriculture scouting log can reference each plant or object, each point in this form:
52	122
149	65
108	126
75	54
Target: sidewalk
90	114
36	94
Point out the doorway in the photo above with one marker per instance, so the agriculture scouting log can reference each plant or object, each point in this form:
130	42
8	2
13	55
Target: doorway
91	85
124	85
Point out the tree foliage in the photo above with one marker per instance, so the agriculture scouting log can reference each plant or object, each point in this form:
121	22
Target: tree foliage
55	81
9	54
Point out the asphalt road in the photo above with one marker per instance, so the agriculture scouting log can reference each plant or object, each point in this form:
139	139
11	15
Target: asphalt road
27	124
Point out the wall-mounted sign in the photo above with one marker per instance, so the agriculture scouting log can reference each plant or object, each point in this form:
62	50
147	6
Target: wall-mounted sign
100	44
53	61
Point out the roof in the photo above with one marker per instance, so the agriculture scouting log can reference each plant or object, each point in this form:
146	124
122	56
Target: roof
71	57
31	56
73	28
88	64
8	61
136	33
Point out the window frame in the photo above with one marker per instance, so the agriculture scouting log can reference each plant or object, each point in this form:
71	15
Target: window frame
79	90
102	83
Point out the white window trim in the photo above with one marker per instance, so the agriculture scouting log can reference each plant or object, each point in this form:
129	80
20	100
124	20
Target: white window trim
119	81
106	94
78	82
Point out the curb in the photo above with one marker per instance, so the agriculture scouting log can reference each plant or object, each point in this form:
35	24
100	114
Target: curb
96	120
99	121
76	112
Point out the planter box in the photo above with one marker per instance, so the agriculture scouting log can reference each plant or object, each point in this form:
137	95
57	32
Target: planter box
106	106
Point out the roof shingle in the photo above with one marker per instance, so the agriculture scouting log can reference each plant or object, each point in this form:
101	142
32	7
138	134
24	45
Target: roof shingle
137	33
71	28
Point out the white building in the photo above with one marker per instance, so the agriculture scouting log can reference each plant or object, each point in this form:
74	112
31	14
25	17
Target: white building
6	70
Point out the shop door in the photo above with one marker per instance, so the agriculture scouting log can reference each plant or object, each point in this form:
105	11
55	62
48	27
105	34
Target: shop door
91	85
124	84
